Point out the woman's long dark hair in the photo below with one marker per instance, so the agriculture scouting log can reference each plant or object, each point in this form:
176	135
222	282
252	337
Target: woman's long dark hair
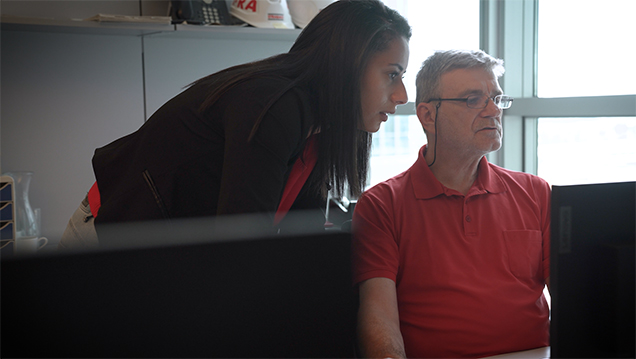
328	58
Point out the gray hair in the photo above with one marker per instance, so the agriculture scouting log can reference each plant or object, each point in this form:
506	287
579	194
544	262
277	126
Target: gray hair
441	62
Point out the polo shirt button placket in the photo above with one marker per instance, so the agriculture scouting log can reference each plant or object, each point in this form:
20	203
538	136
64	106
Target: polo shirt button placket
469	224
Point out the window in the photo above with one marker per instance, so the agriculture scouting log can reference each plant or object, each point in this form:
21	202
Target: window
587	150
395	146
569	66
586	48
435	29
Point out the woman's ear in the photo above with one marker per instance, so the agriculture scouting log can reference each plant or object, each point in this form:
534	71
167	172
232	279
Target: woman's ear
426	115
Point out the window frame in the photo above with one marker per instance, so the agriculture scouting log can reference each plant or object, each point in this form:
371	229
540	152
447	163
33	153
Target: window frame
509	30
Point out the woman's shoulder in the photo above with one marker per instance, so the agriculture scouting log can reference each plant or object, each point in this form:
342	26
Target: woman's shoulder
264	91
263	85
284	98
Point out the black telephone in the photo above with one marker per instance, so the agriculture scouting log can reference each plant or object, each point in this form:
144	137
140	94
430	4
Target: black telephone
200	12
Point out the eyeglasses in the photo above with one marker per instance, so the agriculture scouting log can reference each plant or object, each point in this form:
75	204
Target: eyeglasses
481	101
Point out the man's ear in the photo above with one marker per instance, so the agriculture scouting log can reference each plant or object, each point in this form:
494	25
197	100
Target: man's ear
426	115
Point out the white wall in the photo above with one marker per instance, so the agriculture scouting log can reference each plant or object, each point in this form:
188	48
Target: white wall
172	62
65	94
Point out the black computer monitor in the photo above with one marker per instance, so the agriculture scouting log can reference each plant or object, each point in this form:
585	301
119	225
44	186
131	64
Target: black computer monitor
189	288
592	270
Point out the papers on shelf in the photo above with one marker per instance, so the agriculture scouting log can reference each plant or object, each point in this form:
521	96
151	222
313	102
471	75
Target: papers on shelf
129	18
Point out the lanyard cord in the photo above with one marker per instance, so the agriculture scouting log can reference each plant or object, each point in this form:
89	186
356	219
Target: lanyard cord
435	145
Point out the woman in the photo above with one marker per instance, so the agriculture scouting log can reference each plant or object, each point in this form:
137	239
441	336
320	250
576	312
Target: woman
268	136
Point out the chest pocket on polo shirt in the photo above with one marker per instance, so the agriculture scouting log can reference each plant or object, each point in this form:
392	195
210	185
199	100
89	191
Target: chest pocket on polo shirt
524	252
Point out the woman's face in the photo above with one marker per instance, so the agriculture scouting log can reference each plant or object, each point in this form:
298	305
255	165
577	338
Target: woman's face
382	88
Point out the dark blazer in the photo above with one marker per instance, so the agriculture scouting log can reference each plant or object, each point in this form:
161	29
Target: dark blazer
186	163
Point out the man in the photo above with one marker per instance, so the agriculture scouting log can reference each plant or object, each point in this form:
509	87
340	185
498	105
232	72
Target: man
452	256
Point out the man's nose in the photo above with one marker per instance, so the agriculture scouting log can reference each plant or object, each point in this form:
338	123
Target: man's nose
491	107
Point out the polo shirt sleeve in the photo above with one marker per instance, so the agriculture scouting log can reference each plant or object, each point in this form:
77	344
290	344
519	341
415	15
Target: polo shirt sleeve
375	252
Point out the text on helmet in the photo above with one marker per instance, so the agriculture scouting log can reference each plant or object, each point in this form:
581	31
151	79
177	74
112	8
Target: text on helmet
240	4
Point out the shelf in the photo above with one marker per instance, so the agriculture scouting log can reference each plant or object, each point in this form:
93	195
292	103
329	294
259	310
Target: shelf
12	23
234	32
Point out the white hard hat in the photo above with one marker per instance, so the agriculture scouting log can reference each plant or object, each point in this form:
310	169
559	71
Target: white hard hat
302	11
263	13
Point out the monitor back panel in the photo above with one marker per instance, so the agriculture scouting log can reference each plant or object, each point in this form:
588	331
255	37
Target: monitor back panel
592	270
259	297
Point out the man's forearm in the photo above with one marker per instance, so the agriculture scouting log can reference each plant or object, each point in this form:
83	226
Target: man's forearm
377	341
379	333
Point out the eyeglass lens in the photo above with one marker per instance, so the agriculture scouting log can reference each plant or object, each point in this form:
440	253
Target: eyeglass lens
500	101
503	102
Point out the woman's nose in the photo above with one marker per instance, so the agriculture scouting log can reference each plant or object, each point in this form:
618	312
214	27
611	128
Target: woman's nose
400	96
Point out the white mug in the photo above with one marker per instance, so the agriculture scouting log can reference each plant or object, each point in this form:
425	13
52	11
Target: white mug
29	245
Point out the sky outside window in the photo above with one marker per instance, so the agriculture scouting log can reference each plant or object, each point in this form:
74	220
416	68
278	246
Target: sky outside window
586	48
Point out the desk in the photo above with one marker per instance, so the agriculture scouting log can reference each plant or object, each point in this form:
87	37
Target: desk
538	353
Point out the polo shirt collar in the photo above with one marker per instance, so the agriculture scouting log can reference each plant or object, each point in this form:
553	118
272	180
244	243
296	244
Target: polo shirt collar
426	185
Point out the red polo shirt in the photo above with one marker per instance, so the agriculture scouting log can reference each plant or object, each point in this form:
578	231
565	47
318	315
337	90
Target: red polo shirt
469	270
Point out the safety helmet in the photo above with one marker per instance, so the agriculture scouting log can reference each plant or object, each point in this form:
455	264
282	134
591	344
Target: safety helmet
302	11
263	13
